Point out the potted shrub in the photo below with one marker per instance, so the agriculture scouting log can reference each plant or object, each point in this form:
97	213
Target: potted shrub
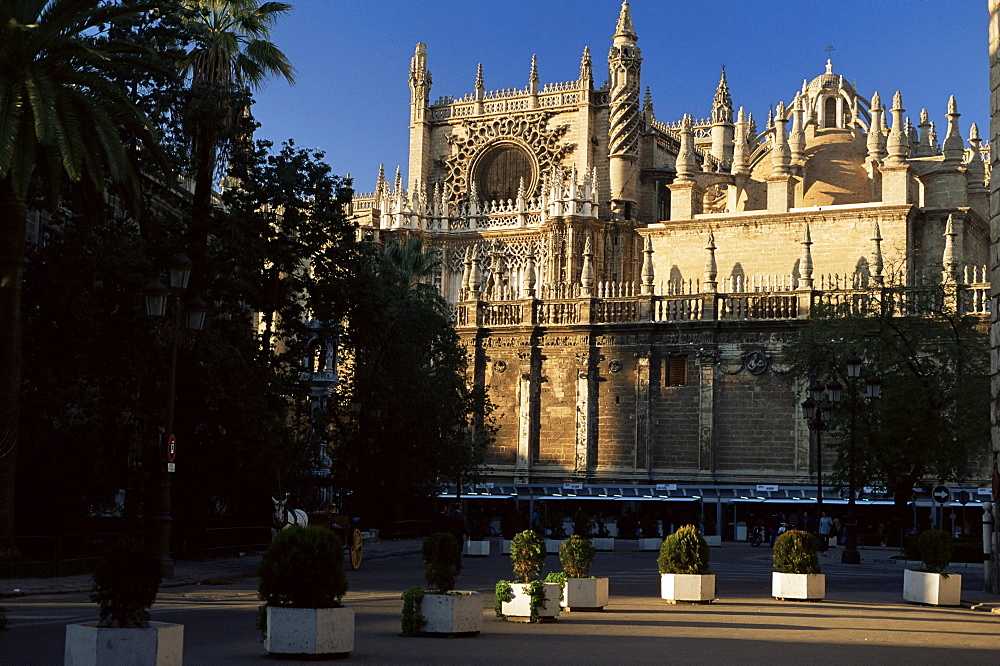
441	610
580	590
477	545
301	583
530	600
683	566
796	568
125	585
932	585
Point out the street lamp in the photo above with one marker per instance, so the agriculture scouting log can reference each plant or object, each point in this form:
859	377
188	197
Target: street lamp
192	316
818	412
873	387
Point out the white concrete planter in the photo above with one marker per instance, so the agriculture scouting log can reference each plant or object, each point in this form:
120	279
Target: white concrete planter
454	613
309	631
612	527
585	594
505	546
922	587
552	546
803	587
652	543
477	548
604	544
162	643
519	608
713	541
691	588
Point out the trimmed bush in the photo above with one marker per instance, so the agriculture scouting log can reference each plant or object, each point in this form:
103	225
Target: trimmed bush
303	568
684	552
527	555
795	552
935	549
125	584
576	555
442	561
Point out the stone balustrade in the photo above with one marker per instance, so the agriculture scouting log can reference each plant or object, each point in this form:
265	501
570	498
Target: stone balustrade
575	309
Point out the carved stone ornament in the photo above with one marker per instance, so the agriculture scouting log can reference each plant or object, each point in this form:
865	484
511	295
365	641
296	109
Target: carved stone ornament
531	131
615	366
499	366
756	362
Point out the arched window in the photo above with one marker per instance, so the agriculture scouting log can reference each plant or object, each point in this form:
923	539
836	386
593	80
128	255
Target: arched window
500	171
830	112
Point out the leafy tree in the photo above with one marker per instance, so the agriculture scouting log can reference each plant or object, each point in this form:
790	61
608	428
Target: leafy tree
61	116
931	423
409	418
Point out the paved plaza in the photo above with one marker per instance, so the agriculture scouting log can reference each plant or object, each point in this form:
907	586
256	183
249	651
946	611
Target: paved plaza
862	620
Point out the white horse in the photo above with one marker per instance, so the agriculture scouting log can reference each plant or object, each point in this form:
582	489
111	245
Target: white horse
283	517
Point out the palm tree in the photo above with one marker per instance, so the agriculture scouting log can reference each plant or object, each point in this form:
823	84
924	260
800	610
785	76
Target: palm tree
231	55
61	116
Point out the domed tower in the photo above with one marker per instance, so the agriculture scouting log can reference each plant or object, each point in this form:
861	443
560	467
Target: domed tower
624	120
831	102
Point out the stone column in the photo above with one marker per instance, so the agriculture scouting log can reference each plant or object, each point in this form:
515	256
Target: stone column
582	450
525	419
706	411
643	378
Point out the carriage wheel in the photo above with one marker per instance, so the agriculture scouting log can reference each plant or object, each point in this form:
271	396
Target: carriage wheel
356	548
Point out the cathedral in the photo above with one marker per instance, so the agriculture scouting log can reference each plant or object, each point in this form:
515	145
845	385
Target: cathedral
625	285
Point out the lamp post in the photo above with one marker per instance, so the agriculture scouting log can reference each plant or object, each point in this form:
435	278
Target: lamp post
818	412
192	315
873	387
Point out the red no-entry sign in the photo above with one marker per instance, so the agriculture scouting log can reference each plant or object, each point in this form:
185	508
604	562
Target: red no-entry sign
171	448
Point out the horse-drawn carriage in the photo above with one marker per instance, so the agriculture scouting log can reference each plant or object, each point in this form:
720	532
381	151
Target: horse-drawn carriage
347	528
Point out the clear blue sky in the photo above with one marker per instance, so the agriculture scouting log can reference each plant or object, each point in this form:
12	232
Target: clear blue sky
351	98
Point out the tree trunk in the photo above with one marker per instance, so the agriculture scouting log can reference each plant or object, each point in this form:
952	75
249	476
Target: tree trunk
12	247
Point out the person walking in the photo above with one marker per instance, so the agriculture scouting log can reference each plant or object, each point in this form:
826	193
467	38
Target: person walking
458	525
825	528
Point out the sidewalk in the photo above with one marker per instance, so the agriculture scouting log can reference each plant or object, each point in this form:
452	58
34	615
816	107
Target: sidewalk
191	572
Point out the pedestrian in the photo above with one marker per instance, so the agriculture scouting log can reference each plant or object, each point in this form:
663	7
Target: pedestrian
458	525
806	522
825	528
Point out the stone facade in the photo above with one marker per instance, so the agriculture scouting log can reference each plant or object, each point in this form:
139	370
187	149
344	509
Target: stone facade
625	286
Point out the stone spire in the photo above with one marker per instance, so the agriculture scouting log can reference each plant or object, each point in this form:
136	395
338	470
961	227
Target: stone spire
420	78
624	27
898	143
647	109
751	130
977	170
586	69
624	122
528	285
686	164
722	103
467	273
647	267
781	154
587	271
876	147
806	263
533	75
924	148
740	166
476	275
398	186
380	184
949	274
722	121
953	146
711	268
797	137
